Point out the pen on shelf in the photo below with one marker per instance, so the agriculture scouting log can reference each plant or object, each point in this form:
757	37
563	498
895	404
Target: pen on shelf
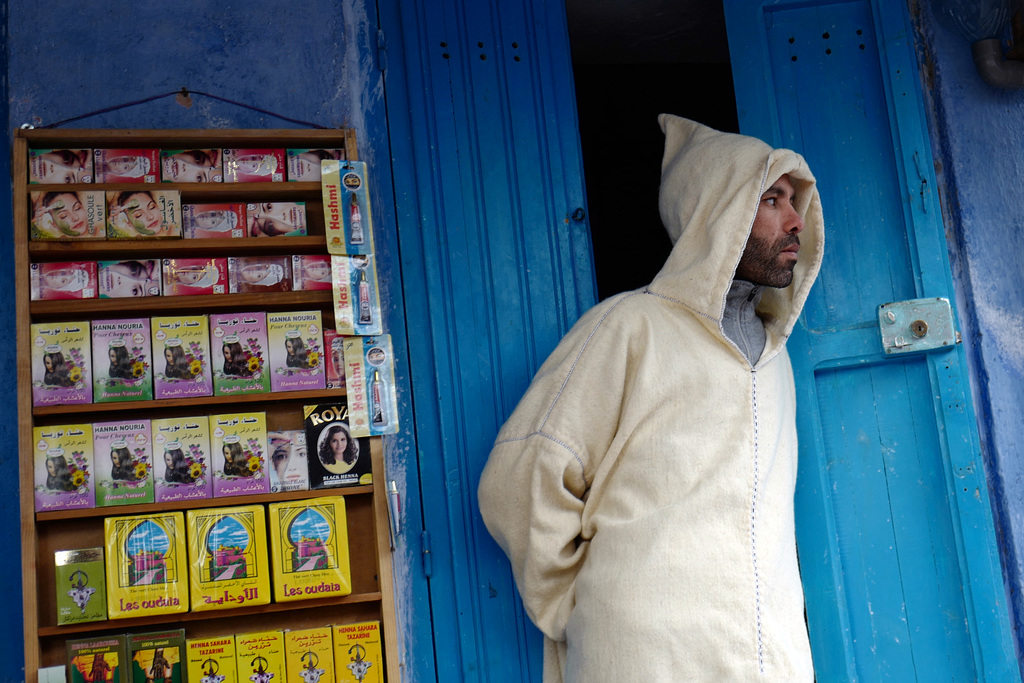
394	507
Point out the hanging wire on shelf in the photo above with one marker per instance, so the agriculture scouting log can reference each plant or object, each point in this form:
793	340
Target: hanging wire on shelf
184	97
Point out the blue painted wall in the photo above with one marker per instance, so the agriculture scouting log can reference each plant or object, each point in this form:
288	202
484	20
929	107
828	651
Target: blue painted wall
978	135
315	61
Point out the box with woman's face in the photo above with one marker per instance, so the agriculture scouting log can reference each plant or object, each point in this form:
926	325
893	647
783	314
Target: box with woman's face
238	342
123	457
181	356
122	360
182	469
62	457
238	445
126	165
61	363
296	350
64	280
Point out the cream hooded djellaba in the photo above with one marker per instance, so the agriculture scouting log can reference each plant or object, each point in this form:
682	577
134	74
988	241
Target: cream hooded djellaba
643	487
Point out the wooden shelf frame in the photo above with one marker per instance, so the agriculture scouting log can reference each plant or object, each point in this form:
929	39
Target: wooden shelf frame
374	599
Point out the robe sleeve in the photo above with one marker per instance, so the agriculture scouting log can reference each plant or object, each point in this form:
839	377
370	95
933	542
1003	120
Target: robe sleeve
534	486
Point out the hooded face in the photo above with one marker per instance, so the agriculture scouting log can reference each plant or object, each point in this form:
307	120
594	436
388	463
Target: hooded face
771	251
736	208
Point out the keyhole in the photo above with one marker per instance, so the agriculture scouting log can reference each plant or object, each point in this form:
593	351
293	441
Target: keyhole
919	328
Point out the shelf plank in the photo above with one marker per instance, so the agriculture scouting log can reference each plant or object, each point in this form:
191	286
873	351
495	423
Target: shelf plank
154	305
146	508
186	139
149	621
312	395
100	250
204	191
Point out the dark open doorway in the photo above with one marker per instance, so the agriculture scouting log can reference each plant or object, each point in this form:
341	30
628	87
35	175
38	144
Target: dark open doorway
631	62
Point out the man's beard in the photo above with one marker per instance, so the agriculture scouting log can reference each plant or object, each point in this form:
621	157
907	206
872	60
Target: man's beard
760	262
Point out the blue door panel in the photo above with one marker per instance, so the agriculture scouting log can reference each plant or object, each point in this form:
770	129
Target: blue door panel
885	473
488	174
894	528
832	104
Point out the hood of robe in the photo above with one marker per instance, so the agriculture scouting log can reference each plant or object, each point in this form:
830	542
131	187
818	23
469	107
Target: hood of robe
711	186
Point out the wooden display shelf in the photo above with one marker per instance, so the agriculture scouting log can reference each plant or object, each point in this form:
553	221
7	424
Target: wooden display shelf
103	250
44	533
309	395
164	305
183	617
187	139
145	508
202	191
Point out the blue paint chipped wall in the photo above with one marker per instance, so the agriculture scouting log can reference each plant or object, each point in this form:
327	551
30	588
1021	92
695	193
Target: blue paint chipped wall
978	135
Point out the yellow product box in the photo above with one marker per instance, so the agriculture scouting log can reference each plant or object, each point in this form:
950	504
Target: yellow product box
227	557
357	652
259	657
211	659
309	549
147	566
309	655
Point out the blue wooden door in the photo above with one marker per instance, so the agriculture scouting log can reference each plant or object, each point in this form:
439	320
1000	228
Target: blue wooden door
496	266
895	534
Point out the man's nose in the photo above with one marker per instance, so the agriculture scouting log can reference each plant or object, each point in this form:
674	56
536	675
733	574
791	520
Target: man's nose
794	223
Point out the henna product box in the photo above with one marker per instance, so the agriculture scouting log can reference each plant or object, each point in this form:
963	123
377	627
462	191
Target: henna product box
276	219
227	552
212	660
195	276
334	359
147	565
67	215
238	444
248	274
336	457
121	359
288	468
61	363
184	369
143	214
191	166
130	278
311	272
309	549
62	166
241	339
99	658
304	164
295	341
157	656
65	280
126	165
181	457
63	467
259	657
253	165
123	453
81	586
213	221
309	654
357	649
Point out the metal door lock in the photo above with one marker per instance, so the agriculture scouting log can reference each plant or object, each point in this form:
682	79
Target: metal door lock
916	325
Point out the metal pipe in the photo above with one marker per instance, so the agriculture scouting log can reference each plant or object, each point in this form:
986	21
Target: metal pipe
993	68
